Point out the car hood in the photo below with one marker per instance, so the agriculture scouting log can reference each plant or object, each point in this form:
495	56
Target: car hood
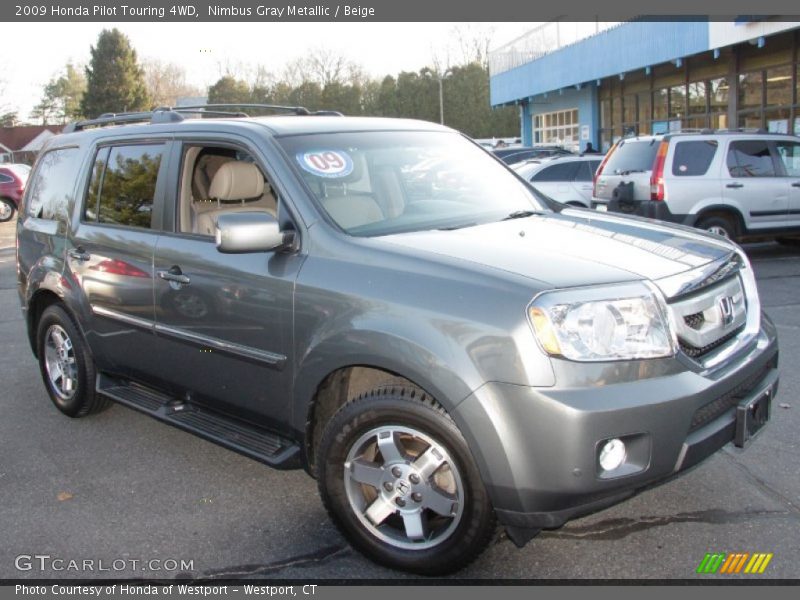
573	247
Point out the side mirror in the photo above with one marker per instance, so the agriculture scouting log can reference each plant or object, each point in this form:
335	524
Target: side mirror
243	232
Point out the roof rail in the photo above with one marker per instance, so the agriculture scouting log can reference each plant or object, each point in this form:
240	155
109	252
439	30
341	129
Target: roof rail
172	114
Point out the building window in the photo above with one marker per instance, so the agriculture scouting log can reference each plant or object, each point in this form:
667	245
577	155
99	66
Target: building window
750	87
697	98
559	127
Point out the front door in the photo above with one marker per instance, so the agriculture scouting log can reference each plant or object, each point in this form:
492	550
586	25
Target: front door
224	321
752	183
789	153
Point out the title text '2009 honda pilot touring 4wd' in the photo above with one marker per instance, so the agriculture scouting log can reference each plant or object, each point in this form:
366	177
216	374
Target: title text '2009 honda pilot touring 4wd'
385	304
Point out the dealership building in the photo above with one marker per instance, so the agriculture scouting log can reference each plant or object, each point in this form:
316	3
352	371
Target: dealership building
595	82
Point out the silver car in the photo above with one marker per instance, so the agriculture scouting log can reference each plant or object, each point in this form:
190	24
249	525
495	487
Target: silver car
567	179
735	184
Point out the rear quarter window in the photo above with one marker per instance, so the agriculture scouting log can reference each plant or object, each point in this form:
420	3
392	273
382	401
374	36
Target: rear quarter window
693	158
51	193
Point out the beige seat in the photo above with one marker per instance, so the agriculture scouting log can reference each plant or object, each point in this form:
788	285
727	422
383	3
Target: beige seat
353	211
235	181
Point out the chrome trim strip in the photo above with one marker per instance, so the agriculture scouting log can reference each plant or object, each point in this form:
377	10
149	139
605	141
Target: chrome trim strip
270	359
687	282
122	317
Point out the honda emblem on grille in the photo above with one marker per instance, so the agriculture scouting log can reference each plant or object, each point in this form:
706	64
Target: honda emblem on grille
726	310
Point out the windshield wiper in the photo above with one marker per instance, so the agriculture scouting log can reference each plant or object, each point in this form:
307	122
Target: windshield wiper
521	214
629	171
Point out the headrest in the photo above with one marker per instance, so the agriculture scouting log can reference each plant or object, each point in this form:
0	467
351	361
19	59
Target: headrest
236	180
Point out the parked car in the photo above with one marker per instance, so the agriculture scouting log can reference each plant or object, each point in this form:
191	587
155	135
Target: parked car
740	185
13	178
518	154
440	356
567	179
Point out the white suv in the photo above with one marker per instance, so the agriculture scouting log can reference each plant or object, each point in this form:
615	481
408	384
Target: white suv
735	184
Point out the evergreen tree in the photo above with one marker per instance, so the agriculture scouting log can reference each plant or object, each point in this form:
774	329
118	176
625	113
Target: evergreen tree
229	90
114	79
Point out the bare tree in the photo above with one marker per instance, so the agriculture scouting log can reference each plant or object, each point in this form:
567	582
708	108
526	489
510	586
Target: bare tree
167	82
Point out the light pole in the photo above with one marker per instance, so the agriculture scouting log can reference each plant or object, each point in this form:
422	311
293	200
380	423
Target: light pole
441	95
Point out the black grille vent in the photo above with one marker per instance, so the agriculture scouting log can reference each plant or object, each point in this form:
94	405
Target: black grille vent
696	352
716	408
695	321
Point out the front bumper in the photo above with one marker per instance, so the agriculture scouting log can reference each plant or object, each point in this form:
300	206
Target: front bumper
537	448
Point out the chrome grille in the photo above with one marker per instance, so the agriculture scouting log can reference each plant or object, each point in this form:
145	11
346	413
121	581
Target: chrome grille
708	318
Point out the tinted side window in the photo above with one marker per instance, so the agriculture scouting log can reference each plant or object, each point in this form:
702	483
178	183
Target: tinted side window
586	170
790	155
51	192
5	178
693	158
560	172
123	185
750	158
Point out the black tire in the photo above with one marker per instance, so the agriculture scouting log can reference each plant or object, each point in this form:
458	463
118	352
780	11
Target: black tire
464	537
80	399
7	210
721	225
792	242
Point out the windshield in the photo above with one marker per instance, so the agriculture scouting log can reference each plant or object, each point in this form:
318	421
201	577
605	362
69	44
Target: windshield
632	156
381	182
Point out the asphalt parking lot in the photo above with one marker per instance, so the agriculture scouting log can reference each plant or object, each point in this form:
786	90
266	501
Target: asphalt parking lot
120	486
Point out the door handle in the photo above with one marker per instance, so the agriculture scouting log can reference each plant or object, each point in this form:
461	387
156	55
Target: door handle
175	275
796	184
735	185
79	254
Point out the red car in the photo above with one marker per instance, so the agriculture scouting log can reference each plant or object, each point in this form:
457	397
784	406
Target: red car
13	178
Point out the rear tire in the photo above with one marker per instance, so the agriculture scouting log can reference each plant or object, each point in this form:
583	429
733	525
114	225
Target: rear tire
7	210
720	225
66	365
398	480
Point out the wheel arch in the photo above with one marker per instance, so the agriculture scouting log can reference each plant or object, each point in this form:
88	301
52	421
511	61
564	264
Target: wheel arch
326	381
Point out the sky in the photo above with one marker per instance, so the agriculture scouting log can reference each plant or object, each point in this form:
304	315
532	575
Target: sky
205	49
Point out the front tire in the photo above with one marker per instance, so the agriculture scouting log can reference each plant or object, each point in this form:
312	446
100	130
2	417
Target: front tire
397	478
66	365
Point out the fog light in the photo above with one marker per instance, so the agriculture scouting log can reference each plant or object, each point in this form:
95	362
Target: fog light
612	454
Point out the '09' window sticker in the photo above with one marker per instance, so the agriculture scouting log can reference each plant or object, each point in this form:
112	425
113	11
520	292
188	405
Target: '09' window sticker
326	163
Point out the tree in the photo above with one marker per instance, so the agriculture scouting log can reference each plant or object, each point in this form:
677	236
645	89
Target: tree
114	79
61	99
229	90
166	83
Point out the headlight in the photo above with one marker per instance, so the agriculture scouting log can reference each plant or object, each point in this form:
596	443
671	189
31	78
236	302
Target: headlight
627	321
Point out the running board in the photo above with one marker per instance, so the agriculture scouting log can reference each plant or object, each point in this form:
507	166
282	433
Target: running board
254	442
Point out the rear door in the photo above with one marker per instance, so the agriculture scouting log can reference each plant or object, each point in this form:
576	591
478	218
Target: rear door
789	154
584	176
110	253
556	179
752	182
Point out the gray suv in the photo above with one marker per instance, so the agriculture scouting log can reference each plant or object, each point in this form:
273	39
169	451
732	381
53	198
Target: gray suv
740	185
383	304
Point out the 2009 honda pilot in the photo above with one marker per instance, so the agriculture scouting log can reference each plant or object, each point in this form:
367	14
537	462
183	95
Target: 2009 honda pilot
385	304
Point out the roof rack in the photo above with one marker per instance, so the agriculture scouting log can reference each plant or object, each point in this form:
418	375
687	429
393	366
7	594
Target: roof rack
173	114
